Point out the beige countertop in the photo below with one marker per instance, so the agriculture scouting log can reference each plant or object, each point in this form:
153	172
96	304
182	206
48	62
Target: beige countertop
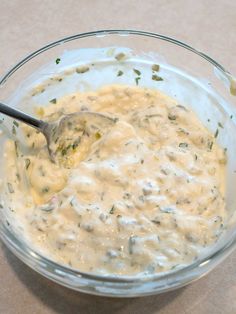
26	25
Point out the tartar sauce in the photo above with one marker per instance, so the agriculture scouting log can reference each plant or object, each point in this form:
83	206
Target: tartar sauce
146	196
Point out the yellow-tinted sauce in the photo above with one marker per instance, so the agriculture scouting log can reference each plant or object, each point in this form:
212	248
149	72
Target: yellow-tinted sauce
146	197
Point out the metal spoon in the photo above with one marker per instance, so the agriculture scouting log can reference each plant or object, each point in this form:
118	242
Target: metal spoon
59	134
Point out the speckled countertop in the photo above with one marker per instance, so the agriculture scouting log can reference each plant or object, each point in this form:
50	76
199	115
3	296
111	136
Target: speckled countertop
26	25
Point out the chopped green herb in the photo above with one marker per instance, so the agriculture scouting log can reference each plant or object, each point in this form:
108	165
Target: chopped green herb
10	187
58	60
208	120
183	145
112	210
15	123
16	148
216	133
63	151
119	73
98	135
1	205
156	78
132	241
27	163
231	117
210	144
53	101
82	69
137	80
45	190
141	161
13	130
76	144
120	56
155	67
220	125
174	266
137	72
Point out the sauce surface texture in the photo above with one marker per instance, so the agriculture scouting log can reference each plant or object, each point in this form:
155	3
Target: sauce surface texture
145	196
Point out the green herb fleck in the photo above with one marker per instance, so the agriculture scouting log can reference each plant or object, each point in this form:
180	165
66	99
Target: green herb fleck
10	187
137	80
27	163
155	67
119	73
53	101
16	123
137	72
156	78
64	151
216	133
183	145
45	190
76	144
16	148
208	120
210	144
231	117
58	60
13	130
220	125
174	266
41	171
112	210
132	241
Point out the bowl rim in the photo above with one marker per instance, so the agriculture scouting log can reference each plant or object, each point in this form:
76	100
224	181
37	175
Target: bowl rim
25	252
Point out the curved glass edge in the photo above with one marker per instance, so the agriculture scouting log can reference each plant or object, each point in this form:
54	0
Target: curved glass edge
24	252
102	33
62	275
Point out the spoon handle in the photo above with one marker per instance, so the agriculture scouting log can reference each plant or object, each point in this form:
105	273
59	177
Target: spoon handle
21	116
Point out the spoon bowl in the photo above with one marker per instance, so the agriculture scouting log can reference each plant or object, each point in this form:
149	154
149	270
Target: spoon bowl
65	135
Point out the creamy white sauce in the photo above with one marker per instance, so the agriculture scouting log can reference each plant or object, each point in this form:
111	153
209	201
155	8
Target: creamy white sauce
145	196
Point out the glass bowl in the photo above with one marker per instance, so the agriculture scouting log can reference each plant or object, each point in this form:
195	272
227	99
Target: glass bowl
189	76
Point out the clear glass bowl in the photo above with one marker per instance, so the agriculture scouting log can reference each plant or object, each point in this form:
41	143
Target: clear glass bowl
189	76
